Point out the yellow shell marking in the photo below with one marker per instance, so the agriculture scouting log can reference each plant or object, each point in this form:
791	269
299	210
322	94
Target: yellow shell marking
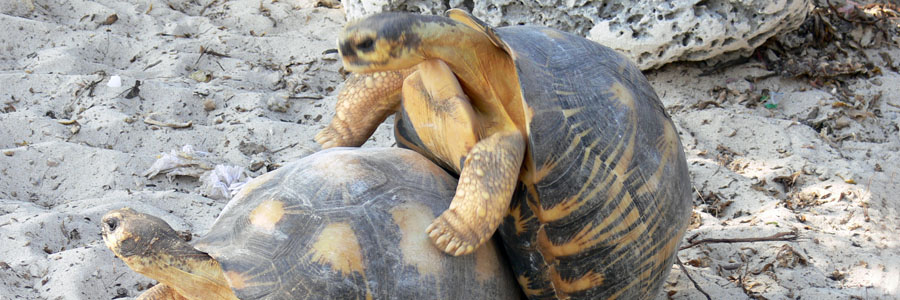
572	111
589	236
541	171
267	214
338	247
621	93
415	246
516	213
627	287
668	146
659	258
236	280
524	282
486	264
574	202
573	285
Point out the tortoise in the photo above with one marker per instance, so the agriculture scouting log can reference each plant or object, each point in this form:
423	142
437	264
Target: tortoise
341	224
561	139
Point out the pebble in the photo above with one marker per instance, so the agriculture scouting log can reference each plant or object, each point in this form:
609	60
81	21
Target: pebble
209	105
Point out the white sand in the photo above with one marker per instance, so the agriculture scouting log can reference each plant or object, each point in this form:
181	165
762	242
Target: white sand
55	184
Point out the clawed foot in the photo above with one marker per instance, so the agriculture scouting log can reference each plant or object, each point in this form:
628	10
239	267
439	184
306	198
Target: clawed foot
329	138
447	233
486	184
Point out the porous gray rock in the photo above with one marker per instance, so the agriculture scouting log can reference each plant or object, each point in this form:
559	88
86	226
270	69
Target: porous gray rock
650	32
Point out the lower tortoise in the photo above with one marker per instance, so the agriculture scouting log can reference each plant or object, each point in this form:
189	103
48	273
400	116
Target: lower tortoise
559	142
338	224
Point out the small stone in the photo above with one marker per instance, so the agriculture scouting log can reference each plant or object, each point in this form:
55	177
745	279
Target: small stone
209	105
110	19
813	113
256	165
201	76
842	122
278	104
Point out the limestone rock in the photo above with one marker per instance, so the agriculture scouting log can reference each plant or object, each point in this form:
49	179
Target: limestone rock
650	32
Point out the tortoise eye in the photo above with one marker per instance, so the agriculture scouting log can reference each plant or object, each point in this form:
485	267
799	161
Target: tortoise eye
112	224
366	45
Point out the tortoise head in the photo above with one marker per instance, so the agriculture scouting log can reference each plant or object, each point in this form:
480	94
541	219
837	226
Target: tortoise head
389	41
129	233
148	245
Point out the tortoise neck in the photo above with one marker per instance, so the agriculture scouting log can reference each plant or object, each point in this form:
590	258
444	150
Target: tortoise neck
194	277
193	274
470	54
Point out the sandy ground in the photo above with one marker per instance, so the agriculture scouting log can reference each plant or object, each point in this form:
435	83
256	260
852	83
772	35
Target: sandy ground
74	147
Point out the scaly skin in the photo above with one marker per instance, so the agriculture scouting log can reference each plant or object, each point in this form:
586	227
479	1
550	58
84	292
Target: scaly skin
160	292
366	100
149	246
471	67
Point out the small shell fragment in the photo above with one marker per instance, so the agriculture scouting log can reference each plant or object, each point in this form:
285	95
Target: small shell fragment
150	120
201	76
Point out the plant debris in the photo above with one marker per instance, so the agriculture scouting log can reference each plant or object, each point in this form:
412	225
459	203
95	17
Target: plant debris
828	48
782	236
150	120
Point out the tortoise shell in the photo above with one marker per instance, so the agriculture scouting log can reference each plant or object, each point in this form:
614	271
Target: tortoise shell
604	191
346	224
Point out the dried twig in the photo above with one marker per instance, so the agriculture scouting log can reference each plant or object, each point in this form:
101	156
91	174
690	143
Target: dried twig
782	236
696	286
306	96
152	65
91	86
202	11
724	65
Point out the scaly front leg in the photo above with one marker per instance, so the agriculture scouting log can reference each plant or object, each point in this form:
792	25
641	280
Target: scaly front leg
486	185
364	102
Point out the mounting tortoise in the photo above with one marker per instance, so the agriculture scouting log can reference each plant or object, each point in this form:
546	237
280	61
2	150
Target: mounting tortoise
558	137
338	224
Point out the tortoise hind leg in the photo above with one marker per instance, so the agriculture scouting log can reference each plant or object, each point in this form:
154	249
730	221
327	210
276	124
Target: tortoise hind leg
441	120
160	292
448	127
364	102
